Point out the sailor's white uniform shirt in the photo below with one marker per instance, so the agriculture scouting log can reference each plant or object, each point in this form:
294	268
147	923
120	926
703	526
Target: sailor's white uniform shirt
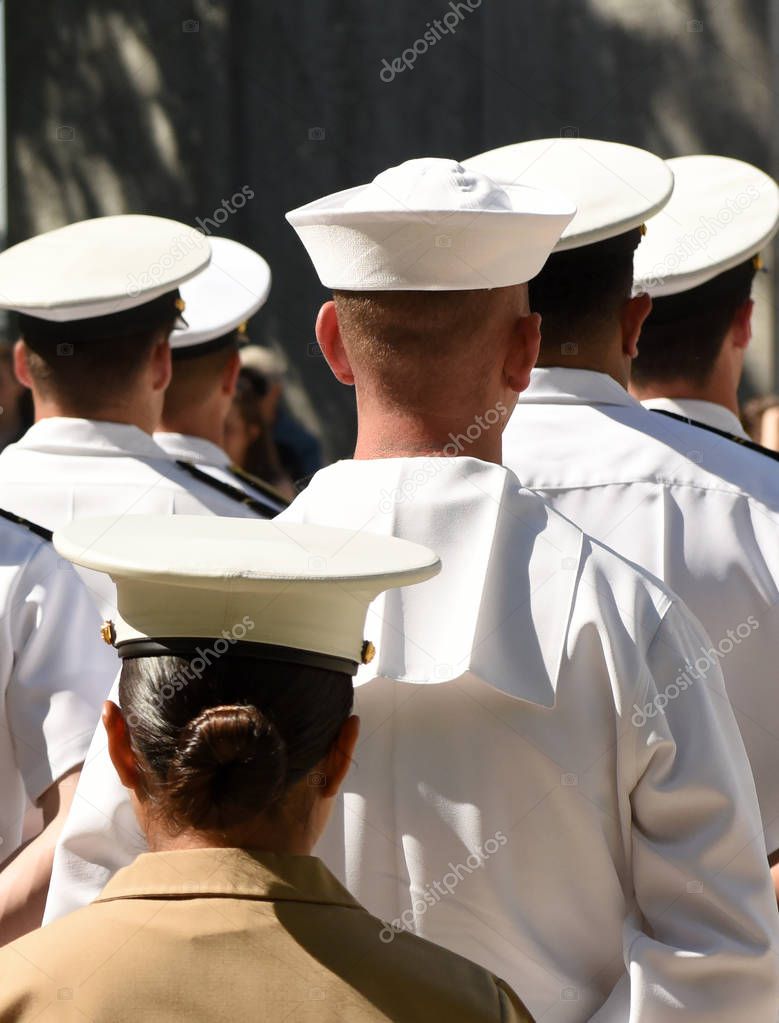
697	510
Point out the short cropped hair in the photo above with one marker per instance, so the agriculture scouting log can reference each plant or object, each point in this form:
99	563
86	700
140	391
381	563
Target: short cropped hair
86	375
580	291
410	338
684	334
86	364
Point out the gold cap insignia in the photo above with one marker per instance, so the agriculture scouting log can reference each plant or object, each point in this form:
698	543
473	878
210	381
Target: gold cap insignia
757	262
108	632
368	652
180	304
643	230
243	328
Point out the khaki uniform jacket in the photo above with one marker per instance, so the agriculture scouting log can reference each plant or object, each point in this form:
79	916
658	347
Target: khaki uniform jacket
225	934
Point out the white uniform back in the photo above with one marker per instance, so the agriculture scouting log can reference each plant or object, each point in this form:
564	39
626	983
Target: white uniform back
637	481
502	801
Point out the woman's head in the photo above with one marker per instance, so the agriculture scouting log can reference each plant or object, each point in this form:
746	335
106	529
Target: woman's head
246	752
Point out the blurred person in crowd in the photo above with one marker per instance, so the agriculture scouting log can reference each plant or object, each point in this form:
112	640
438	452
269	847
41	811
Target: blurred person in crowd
760	419
299	450
219	302
232	778
249	430
95	353
693	508
694	342
54	675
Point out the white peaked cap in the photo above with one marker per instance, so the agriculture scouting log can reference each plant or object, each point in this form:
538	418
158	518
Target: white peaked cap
615	187
722	212
99	267
231	289
431	225
269	584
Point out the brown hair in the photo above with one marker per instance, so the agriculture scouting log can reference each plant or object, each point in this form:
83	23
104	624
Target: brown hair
221	747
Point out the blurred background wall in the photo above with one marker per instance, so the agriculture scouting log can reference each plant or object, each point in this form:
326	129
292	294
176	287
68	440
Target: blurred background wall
175	108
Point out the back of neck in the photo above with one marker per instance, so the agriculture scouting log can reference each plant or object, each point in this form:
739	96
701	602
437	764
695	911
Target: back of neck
393	434
715	391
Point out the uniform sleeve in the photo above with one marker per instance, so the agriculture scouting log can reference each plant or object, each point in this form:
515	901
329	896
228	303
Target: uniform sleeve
61	671
703	944
100	836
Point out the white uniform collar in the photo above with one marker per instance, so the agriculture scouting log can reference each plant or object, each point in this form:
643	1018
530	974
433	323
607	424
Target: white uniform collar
555	385
707	412
192	449
500	607
66	435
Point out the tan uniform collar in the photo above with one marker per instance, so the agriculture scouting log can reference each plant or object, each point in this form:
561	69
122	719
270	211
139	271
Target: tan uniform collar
229	873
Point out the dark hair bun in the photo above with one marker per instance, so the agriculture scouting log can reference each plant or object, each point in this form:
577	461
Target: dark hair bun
230	765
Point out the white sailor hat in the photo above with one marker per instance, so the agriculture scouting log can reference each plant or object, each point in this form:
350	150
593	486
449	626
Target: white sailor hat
431	225
221	298
286	592
616	188
108	275
722	213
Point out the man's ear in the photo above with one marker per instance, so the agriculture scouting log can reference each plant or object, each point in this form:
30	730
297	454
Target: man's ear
339	759
21	367
523	352
230	375
634	312
161	363
119	749
328	334
741	328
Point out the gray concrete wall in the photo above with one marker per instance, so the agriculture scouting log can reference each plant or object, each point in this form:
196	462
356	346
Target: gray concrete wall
174	107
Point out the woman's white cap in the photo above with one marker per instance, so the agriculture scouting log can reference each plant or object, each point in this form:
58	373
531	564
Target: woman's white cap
284	591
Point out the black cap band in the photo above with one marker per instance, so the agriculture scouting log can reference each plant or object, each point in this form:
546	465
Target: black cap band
189	649
148	316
